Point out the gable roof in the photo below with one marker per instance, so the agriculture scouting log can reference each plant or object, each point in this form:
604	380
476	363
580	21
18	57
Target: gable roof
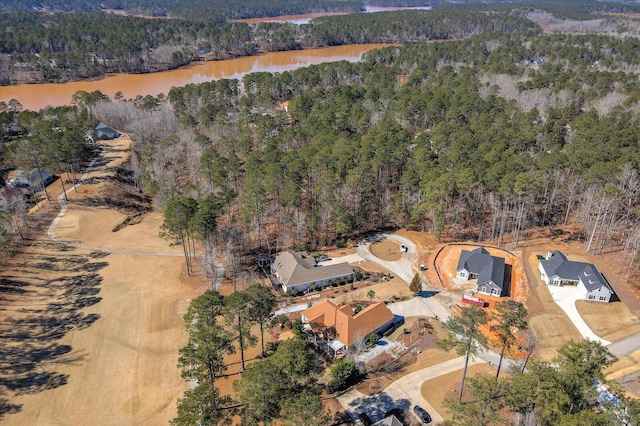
557	264
349	327
103	129
490	269
298	268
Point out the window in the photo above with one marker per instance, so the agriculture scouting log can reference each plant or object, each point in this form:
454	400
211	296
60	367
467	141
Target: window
603	297
591	297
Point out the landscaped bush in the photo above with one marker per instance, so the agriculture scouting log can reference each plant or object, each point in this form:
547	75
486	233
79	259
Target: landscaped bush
280	319
332	283
313	287
339	281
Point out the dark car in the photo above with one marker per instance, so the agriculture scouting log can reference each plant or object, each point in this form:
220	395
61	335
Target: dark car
422	414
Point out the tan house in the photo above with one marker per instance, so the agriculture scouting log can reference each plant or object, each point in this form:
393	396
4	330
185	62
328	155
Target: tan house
299	271
349	328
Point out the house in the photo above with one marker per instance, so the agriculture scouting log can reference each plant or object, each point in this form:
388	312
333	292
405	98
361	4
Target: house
35	180
105	132
556	269
349	328
489	270
298	271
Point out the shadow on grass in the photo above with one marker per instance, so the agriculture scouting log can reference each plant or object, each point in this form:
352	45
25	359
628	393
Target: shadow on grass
45	309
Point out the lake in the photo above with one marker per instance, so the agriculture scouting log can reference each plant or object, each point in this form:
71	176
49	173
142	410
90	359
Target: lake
37	96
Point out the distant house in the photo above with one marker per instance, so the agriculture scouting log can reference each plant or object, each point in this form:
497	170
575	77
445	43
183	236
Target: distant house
349	328
556	269
105	132
35	180
298	271
489	270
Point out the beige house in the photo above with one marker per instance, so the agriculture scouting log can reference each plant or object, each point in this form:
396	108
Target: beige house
299	271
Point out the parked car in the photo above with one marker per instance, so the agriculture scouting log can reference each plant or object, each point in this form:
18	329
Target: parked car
422	414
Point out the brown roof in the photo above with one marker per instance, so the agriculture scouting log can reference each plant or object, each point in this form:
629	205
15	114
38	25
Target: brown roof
349	328
298	268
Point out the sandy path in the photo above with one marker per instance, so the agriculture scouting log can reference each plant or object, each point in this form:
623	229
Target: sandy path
117	317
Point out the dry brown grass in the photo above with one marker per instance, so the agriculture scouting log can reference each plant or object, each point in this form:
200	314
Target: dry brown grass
386	250
435	391
611	321
626	365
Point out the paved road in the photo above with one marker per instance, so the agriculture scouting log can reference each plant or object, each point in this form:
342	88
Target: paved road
403	393
625	346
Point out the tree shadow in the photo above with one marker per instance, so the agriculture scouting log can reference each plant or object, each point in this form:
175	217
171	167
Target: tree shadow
376	406
47	311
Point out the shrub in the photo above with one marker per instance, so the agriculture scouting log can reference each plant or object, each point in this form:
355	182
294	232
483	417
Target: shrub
357	309
339	281
313	287
280	319
332	283
352	287
344	374
373	339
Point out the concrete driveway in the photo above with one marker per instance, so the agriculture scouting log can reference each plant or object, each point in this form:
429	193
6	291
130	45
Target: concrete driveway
420	306
404	393
565	297
402	268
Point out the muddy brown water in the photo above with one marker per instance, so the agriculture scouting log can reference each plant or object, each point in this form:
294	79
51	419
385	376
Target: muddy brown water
37	96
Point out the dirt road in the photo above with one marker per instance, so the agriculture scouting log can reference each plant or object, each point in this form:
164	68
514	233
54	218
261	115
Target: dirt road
90	330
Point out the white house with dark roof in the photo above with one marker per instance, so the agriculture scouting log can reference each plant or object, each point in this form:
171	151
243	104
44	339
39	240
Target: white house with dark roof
489	270
297	270
556	269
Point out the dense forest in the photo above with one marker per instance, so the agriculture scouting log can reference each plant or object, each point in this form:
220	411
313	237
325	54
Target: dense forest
484	136
194	10
38	47
469	139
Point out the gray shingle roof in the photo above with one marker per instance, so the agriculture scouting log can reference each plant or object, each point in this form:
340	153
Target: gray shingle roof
298	268
488	268
557	264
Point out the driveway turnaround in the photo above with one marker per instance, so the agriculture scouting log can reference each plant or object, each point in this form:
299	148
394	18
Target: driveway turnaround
403	393
419	307
402	268
565	297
